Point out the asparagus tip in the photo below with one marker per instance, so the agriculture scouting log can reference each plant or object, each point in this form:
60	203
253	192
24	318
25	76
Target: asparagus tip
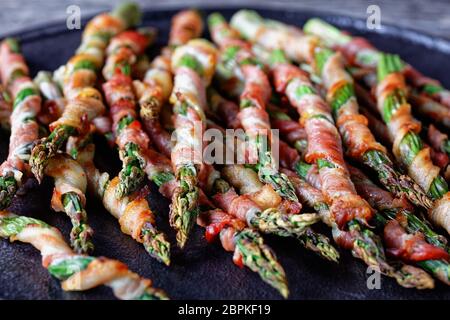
130	178
39	158
319	244
260	258
8	188
184	208
129	12
156	244
285	225
412	277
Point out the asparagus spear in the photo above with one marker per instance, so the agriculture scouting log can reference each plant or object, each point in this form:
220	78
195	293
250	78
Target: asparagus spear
409	149
135	217
24	128
269	220
77	272
83	100
237	58
54	102
130	137
260	258
194	64
247	181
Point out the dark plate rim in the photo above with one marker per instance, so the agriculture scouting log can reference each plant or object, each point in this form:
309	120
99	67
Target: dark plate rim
433	42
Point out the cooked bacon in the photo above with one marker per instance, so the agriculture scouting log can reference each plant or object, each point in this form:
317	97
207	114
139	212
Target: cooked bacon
323	142
219	222
290	130
241	207
297	45
436	137
189	90
225	110
257	87
377	126
410	247
186	25
69	177
428	108
439	213
237	174
377	197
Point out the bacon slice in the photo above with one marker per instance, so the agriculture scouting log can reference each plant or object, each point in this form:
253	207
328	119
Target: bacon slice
410	247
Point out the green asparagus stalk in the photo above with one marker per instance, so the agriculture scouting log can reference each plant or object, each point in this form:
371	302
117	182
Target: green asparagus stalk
81	233
69	265
411	143
261	259
184	209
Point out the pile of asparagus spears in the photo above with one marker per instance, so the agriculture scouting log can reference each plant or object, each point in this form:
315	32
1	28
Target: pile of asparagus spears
340	105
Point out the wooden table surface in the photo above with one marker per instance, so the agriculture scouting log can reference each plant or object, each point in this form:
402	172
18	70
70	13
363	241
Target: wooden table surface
430	16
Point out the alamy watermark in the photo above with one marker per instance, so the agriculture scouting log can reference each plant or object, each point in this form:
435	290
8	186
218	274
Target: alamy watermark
226	146
73	20
374	17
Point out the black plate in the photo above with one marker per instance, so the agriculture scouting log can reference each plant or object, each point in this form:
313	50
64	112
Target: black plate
202	271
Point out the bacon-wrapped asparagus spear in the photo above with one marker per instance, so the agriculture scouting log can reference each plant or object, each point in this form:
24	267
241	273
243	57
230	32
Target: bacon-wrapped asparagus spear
359	141
69	197
130	137
360	52
77	272
78	79
253	115
133	212
157	86
362	241
193	64
5	108
24	128
403	233
408	147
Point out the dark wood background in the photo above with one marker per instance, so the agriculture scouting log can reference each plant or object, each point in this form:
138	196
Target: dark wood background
430	16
